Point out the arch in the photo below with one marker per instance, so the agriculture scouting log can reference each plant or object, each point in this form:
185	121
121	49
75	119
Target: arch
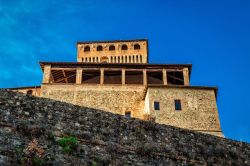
115	59
133	59
86	49
122	59
137	60
140	58
86	59
93	60
137	47
124	47
129	59
111	59
29	92
97	59
89	59
111	48
99	48
118	59
125	59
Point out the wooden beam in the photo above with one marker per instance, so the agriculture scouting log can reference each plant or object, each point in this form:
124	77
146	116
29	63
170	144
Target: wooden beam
64	78
64	75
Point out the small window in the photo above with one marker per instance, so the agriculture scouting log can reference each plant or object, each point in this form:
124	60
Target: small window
157	105
124	47
128	114
177	105
99	48
29	92
86	49
137	47
111	48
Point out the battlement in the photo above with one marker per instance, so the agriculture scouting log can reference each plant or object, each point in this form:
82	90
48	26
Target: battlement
117	51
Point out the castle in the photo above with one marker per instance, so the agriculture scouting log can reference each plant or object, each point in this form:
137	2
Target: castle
115	76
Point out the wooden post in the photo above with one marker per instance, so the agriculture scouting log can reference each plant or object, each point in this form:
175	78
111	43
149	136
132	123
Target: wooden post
79	76
46	74
123	76
102	76
145	77
164	74
186	76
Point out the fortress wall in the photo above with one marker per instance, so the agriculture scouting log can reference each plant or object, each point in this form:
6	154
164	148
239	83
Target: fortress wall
112	98
199	109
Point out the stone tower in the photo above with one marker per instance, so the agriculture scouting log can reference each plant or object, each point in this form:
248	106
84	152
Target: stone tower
120	51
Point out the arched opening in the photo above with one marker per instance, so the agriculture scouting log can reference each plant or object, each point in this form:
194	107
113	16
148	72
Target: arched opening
86	59
29	92
86	49
111	59
140	58
137	47
99	48
89	59
115	59
129	59
111	48
122	59
97	59
124	47
118	59
137	59
125	59
133	59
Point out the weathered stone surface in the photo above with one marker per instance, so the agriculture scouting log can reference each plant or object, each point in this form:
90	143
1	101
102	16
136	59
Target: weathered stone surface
199	109
105	138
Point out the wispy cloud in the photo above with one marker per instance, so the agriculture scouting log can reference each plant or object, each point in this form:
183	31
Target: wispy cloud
31	31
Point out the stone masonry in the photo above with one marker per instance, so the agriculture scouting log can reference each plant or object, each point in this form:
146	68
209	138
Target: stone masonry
115	76
103	138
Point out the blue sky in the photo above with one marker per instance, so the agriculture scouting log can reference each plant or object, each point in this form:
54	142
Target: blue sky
213	35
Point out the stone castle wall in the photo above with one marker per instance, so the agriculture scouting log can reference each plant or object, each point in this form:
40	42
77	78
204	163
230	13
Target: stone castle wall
116	99
199	109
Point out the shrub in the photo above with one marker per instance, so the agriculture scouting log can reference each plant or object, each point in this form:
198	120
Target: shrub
69	144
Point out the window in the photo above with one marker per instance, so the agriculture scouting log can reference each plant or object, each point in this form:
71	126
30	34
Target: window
128	114
124	47
86	49
99	48
111	48
29	92
157	105
137	47
177	105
